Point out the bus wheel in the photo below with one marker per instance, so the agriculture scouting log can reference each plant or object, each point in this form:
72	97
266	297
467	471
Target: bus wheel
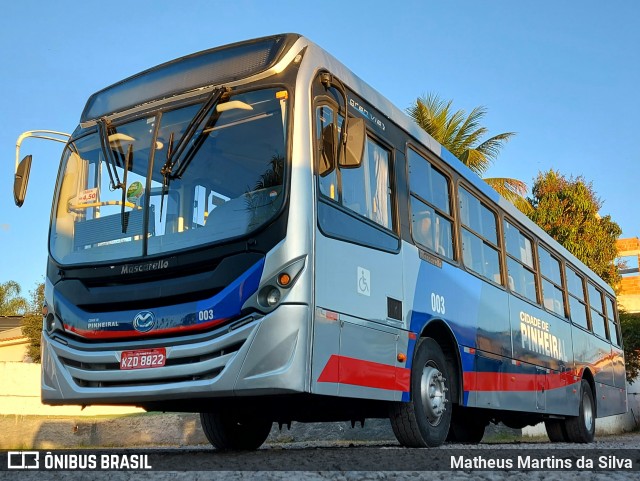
582	428
226	430
424	421
467	426
556	431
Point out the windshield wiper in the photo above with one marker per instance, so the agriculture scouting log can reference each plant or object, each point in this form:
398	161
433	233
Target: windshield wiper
173	155
124	220
166	171
103	130
114	179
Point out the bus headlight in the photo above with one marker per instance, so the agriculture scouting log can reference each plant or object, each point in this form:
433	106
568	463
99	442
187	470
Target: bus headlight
269	296
273	297
49	322
275	288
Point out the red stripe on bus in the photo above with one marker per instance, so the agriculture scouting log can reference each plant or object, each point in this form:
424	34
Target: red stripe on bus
503	381
357	372
120	334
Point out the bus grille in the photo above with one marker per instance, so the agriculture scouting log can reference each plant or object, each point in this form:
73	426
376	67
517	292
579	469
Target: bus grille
201	357
107	384
85	367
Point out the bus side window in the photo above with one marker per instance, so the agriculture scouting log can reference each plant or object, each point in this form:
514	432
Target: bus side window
431	219
366	189
328	178
613	325
519	249
479	237
577	303
598	322
552	292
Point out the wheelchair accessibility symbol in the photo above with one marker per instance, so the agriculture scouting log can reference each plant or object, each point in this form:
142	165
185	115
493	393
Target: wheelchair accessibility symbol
364	282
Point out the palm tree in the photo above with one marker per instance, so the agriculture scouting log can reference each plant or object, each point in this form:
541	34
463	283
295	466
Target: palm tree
462	134
11	304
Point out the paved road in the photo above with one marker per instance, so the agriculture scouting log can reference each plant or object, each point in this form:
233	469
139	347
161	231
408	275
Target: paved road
374	461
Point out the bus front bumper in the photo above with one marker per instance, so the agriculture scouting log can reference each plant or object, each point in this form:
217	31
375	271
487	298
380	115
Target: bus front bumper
264	356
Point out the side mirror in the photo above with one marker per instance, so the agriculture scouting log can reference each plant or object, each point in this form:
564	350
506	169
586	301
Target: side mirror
328	155
356	135
21	180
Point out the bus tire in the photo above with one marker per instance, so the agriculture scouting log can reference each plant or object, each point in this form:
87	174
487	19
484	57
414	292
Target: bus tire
582	428
467	426
556	431
226	430
424	420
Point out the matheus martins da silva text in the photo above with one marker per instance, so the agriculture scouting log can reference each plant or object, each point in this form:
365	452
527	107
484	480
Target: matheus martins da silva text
546	462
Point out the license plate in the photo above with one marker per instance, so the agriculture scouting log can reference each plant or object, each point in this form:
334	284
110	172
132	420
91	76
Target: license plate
143	359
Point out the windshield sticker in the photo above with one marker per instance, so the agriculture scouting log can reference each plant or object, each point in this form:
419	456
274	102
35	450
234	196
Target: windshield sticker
134	192
88	195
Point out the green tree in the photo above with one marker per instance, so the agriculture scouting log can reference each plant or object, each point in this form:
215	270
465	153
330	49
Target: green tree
32	322
630	327
11	303
463	136
567	209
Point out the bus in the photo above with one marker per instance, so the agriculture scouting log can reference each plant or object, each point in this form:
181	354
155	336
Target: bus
254	234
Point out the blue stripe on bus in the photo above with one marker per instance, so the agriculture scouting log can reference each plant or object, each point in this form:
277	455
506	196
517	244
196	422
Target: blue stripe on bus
463	299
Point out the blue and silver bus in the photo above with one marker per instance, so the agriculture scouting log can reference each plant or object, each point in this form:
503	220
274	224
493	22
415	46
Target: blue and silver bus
255	234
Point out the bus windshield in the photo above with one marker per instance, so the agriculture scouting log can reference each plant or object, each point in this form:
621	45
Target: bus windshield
115	199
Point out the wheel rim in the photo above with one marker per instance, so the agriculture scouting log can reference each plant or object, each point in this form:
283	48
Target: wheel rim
587	412
433	393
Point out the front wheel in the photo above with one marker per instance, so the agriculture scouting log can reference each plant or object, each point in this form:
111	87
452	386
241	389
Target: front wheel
424	421
226	429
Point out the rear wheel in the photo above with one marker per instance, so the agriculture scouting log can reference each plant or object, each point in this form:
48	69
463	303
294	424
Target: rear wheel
582	428
226	429
424	421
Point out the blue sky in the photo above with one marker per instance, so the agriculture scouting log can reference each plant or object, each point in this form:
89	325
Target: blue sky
563	75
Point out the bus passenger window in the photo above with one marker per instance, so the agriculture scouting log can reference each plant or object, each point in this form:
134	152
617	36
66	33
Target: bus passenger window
577	304
520	262
598	322
365	190
479	237
613	325
431	220
552	292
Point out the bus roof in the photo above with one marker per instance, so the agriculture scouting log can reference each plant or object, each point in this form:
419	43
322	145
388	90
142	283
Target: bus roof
218	65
